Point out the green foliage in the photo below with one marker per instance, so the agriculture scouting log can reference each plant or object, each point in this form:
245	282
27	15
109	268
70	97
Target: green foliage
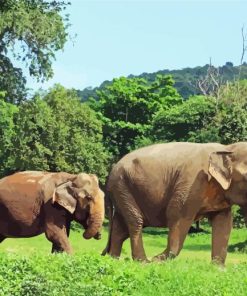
7	132
204	119
90	274
31	31
127	107
238	217
56	132
232	117
183	121
186	80
27	268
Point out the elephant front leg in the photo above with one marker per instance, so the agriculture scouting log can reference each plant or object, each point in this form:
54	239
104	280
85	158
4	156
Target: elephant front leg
221	229
58	237
56	248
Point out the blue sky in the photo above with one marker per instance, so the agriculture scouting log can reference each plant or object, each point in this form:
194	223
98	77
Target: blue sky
118	38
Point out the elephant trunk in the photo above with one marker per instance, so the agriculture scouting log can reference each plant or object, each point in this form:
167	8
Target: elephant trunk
96	218
94	227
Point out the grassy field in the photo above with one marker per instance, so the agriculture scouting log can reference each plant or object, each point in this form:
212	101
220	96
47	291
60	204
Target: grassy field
27	268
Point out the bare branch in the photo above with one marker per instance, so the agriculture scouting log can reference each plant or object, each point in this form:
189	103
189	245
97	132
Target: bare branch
211	82
244	45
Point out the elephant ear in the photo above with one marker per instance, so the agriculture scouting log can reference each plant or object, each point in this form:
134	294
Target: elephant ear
63	196
220	167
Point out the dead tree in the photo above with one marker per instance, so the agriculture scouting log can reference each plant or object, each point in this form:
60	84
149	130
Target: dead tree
244	45
210	84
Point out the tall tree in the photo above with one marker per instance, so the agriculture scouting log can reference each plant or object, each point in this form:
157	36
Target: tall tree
7	133
184	121
127	107
31	31
56	132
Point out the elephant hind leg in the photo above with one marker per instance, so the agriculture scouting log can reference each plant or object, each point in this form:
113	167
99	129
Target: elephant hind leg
176	237
119	233
179	225
134	220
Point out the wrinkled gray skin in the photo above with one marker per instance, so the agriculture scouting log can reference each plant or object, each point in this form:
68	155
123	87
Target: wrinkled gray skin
172	185
34	202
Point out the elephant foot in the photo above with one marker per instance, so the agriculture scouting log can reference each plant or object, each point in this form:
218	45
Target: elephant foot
142	260
159	258
219	262
163	257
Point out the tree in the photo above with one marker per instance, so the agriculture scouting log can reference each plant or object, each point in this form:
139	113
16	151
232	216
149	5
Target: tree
31	31
7	132
56	132
183	121
127	106
232	116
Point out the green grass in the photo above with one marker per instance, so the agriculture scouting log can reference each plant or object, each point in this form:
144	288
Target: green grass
27	268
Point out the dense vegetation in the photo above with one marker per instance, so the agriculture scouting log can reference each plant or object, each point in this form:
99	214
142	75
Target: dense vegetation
135	113
187	80
67	130
53	132
28	269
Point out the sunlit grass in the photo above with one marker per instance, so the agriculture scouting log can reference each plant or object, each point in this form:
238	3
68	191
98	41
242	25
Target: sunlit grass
195	246
28	268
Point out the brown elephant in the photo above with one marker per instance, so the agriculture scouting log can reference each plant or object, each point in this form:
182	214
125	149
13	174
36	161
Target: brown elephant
33	202
172	185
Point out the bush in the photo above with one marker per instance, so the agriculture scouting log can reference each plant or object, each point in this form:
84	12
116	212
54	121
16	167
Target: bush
90	274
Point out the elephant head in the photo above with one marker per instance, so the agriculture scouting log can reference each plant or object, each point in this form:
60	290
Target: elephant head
229	169
82	197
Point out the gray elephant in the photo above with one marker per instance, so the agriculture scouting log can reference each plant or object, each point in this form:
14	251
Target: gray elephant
172	185
34	202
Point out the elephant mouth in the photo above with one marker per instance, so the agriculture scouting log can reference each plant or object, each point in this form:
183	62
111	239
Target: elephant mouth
97	236
86	225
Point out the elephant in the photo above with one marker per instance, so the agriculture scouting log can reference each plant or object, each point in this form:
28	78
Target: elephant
35	202
173	185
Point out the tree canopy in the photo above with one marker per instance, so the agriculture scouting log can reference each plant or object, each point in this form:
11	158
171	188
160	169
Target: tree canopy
31	31
186	80
54	132
127	107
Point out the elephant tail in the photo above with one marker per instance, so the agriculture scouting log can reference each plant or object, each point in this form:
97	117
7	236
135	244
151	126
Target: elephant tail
109	214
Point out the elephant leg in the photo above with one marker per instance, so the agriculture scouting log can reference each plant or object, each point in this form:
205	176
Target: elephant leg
176	236
132	216
134	221
138	252
221	229
58	237
56	248
119	234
